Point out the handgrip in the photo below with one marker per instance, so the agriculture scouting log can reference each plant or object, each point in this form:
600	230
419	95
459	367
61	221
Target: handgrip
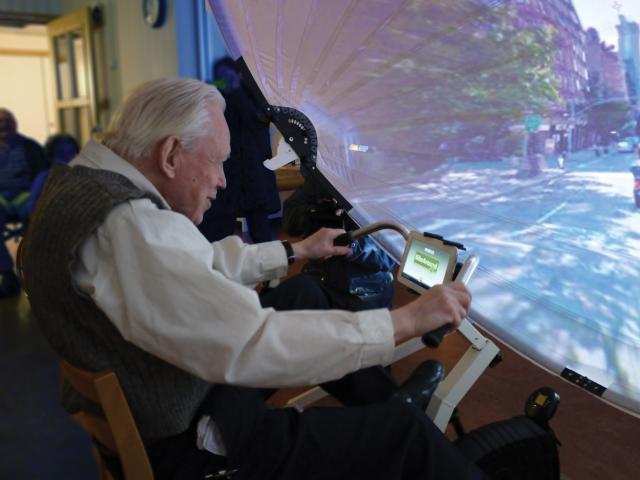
434	338
343	240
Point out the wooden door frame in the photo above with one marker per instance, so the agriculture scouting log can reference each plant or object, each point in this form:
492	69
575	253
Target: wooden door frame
79	20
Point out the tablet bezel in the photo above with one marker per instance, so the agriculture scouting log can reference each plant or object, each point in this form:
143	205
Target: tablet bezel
435	243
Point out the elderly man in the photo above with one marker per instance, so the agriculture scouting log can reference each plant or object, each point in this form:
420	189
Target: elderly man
119	277
21	158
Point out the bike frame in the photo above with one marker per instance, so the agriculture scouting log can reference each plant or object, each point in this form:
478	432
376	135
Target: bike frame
460	379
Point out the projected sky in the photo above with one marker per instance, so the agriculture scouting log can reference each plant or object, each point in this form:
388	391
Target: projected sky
603	15
503	124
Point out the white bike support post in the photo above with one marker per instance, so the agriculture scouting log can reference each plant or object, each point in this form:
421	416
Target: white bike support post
466	372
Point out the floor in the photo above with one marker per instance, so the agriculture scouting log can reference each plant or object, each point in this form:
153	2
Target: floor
38	440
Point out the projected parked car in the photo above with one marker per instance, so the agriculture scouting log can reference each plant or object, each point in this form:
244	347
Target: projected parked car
624	146
627	145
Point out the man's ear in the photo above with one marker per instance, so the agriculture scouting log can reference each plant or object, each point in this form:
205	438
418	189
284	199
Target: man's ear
169	158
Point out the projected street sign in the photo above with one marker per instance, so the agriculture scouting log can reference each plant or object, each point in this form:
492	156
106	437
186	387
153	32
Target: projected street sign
532	122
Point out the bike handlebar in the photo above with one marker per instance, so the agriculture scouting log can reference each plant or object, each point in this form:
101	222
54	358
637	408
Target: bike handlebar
434	338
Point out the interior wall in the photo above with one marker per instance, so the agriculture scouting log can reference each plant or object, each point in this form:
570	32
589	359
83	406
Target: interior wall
26	86
133	52
186	45
145	53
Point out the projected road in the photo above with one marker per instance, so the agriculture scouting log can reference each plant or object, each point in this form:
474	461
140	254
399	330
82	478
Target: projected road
558	249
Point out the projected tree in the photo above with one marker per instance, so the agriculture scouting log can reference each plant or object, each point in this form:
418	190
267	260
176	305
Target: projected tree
486	72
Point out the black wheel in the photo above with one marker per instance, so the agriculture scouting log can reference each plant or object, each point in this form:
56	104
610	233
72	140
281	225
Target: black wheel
515	449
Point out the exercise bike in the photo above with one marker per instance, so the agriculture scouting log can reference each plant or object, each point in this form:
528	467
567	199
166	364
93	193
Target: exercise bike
522	447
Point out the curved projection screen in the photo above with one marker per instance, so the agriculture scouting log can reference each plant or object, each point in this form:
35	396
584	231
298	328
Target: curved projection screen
505	125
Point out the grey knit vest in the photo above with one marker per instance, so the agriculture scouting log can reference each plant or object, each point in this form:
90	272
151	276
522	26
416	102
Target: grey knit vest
74	203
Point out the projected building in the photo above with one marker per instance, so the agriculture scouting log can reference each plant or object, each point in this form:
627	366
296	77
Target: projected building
570	56
606	75
629	48
607	99
570	69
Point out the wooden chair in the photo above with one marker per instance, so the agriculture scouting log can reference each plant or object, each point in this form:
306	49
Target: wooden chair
116	431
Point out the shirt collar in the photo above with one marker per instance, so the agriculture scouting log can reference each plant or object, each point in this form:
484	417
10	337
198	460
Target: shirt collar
96	155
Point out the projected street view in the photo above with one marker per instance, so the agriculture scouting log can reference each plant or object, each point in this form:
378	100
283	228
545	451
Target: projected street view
511	126
531	149
527	139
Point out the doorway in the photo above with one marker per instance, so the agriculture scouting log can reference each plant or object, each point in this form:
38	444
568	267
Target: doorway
71	50
26	84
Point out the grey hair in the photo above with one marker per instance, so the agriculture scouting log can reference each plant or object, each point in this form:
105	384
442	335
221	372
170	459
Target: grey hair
159	108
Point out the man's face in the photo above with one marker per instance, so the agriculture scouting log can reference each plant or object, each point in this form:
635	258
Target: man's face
8	127
200	173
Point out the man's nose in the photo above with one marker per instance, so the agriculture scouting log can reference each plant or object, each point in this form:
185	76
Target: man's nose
222	183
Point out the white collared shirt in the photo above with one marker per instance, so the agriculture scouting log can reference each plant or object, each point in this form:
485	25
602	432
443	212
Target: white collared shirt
178	297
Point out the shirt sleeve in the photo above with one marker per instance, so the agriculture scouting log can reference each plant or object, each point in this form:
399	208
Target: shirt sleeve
249	264
171	293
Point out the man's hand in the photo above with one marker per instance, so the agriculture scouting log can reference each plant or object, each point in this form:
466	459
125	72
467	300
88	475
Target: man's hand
440	305
320	245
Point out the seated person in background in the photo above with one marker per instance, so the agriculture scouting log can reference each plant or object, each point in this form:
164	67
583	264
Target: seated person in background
60	148
21	158
251	190
119	277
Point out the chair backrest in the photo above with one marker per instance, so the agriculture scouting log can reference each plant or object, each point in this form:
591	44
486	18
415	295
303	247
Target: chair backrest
20	261
117	431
